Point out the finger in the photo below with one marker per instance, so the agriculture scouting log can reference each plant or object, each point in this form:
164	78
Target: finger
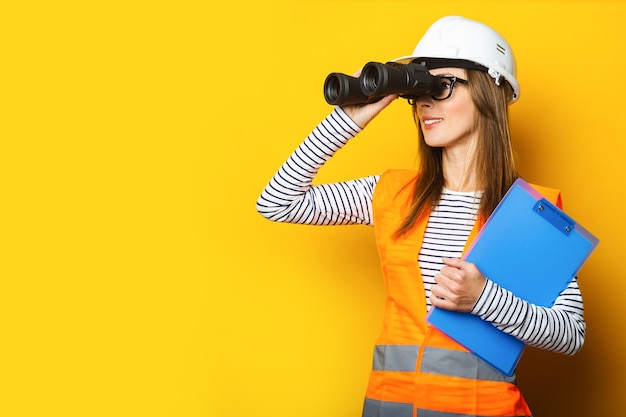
458	263
453	262
441	302
449	287
363	114
452	274
436	301
441	291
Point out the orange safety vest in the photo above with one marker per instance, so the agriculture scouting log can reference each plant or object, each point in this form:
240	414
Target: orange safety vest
417	370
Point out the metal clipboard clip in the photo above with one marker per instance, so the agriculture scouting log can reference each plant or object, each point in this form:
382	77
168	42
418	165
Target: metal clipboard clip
554	216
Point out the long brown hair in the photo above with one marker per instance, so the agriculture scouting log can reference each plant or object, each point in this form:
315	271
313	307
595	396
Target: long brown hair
493	162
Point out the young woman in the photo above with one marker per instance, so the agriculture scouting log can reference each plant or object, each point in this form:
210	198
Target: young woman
424	220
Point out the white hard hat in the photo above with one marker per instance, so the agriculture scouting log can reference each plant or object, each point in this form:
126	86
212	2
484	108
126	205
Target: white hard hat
456	41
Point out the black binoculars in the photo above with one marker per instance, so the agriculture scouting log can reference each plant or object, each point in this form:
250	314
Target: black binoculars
378	80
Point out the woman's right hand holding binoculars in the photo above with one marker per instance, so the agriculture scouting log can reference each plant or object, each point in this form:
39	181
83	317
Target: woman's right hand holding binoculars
362	114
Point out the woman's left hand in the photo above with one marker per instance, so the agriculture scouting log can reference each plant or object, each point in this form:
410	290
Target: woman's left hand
458	285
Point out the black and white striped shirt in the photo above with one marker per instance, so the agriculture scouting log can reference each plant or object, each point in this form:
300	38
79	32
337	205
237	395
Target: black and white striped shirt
447	230
291	197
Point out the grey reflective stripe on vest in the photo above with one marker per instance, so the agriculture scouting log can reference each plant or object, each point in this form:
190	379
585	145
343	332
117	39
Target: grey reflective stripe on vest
462	364
431	413
400	358
403	358
375	408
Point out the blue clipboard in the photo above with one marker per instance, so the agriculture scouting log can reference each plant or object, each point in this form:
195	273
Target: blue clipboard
528	246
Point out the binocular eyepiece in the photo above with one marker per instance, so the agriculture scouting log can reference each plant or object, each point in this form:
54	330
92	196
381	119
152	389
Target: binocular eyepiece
378	80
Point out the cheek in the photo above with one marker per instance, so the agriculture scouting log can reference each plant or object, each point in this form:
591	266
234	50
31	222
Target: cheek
462	104
465	111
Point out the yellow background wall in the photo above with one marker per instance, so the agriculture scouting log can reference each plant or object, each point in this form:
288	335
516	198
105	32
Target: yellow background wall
137	278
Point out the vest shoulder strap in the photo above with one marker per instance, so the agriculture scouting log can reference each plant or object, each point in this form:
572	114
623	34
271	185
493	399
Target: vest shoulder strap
551	194
394	181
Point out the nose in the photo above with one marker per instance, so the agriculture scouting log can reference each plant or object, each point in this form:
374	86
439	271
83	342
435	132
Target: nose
424	101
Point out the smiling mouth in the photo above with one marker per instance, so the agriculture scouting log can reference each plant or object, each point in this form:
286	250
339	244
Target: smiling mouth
432	121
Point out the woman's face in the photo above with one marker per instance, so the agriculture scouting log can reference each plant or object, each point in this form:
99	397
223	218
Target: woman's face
448	123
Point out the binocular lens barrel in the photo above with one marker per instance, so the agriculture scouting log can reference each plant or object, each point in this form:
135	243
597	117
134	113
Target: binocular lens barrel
340	89
378	80
395	78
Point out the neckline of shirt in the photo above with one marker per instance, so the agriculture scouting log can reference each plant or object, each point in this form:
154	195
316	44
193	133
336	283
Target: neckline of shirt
478	193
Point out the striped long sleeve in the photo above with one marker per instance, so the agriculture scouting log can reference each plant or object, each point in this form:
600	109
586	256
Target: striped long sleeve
560	328
290	196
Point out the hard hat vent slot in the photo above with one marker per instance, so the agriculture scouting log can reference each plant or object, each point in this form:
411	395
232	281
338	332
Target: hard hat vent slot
501	49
